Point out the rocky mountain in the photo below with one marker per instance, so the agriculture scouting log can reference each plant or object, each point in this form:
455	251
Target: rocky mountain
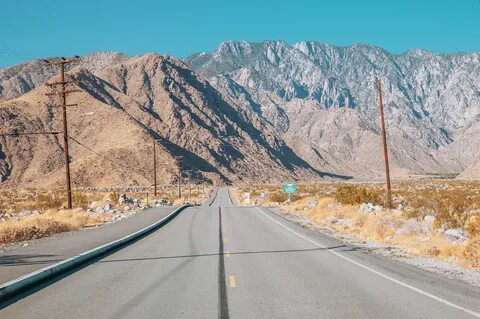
126	103
22	78
265	111
323	99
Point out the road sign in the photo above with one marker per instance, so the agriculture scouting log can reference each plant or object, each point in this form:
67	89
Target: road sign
290	188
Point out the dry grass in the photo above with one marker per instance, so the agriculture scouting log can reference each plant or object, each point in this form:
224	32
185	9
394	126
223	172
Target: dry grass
472	252
277	197
351	195
49	223
16	200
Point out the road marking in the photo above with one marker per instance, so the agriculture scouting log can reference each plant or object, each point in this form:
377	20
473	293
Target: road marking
233	281
227	254
401	283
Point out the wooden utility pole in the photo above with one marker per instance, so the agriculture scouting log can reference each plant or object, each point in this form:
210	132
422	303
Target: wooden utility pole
63	94
179	177
189	185
154	169
385	148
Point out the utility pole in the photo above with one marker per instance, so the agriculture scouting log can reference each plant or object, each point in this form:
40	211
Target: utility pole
63	93
154	169
179	177
189	185
385	148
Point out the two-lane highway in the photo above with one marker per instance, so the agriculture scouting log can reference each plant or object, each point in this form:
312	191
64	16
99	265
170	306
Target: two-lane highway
244	262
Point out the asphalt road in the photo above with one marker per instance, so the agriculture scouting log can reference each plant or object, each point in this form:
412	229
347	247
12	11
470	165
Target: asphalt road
231	262
18	261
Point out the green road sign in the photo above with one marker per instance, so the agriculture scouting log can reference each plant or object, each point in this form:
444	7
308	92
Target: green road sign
290	188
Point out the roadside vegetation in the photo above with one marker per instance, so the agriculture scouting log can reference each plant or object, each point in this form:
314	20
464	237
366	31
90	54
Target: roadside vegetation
27	214
436	218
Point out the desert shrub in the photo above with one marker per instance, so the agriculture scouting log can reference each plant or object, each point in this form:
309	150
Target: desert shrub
353	195
113	197
431	251
43	227
47	201
473	226
47	224
382	228
450	213
278	197
472	252
80	200
413	213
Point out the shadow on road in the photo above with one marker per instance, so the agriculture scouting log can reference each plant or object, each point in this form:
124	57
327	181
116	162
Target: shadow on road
232	253
27	259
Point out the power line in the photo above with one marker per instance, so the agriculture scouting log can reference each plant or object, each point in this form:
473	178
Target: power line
28	133
221	144
98	154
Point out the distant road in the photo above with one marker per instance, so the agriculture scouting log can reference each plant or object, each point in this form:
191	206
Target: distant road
222	261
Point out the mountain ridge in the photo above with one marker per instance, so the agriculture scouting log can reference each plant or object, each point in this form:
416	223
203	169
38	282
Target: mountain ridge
314	105
122	109
418	85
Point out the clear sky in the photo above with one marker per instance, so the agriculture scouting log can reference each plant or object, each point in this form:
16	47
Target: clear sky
40	28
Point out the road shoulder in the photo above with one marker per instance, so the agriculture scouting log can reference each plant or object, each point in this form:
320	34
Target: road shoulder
432	266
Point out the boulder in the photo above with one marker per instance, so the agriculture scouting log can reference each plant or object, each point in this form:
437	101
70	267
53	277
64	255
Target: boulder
413	227
345	222
26	213
366	208
429	219
456	235
162	202
125	199
312	202
94	205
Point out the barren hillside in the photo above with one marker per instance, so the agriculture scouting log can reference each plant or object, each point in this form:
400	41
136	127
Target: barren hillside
122	109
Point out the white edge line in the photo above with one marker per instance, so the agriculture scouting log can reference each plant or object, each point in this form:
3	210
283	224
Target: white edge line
401	283
11	287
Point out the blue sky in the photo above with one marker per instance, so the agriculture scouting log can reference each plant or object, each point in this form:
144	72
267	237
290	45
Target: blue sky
40	28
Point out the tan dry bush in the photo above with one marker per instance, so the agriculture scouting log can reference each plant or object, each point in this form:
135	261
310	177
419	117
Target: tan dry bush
382	228
113	197
46	201
52	222
432	251
80	200
472	252
450	213
354	195
473	226
277	197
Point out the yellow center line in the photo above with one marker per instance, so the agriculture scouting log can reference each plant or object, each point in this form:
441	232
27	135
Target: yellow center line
233	281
